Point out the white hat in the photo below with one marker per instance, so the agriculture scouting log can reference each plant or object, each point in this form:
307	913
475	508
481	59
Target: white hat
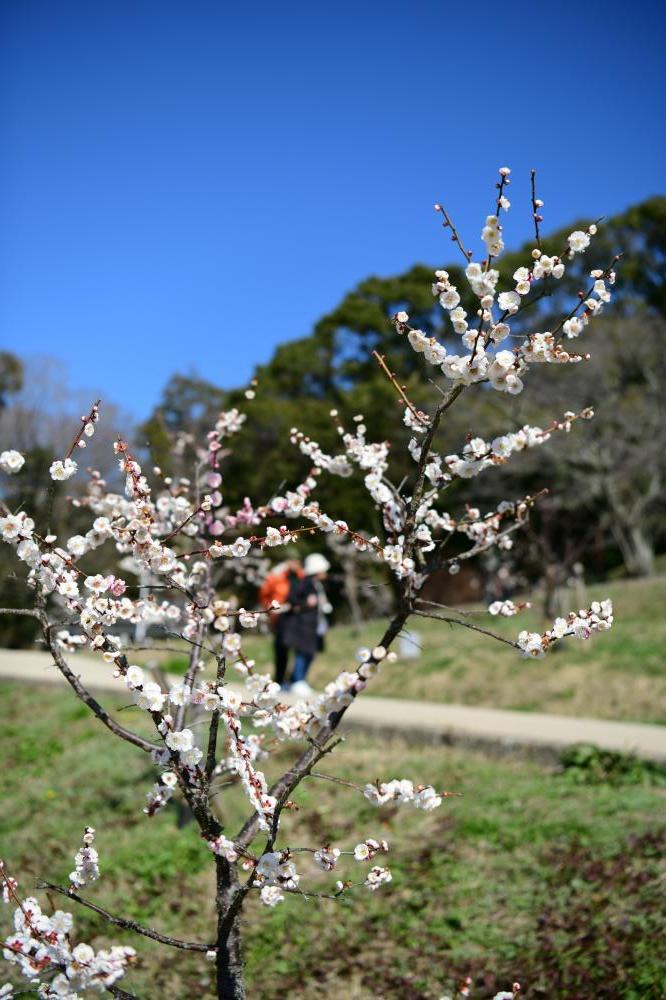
316	563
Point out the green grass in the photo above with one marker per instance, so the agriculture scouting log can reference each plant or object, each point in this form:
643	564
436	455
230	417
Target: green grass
528	874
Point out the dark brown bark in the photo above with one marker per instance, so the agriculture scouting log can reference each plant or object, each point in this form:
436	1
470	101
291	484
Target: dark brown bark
229	959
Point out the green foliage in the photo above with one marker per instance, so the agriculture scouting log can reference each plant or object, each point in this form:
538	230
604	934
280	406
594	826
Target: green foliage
11	376
586	764
175	664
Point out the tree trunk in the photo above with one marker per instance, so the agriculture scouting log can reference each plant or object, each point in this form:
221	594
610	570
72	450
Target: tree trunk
229	959
552	595
636	548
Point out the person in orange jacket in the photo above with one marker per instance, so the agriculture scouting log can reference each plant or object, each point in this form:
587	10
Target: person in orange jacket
276	587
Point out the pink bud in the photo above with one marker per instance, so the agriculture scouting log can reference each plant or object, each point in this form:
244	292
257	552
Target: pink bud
214	479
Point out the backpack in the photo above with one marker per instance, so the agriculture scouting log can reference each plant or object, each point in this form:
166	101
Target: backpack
276	585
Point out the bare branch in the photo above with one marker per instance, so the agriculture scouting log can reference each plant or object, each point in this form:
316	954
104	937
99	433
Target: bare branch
536	215
448	224
75	683
470	625
188	680
211	753
338	781
128	925
422	419
442	407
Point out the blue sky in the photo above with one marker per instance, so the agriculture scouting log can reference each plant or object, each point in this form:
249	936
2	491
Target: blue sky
184	185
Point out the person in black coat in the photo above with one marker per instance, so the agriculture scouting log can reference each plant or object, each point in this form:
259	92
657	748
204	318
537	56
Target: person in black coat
300	626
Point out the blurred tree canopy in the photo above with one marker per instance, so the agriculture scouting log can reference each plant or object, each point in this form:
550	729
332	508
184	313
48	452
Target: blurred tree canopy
11	377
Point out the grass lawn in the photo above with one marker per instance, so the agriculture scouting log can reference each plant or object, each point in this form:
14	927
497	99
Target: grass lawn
528	875
619	674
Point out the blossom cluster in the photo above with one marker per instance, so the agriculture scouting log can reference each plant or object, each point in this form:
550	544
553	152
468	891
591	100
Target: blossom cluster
403	791
579	624
479	454
85	861
60	470
507	608
274	873
41	948
503	369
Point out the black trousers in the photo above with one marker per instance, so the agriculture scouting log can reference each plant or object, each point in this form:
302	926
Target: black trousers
281	654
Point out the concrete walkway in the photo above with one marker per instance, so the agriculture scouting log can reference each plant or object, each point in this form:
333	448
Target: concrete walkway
497	730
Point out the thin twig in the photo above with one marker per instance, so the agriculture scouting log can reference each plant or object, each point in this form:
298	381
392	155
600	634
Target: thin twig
535	209
586	295
399	389
338	781
449	607
469	625
448	224
91	418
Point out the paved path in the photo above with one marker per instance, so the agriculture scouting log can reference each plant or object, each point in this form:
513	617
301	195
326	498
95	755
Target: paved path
496	729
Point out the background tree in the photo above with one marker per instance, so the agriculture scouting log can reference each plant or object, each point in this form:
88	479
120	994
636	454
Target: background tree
11	376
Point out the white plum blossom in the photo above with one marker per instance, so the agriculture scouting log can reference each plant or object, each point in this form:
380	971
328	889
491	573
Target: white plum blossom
134	677
509	301
150	697
222	845
11	461
402	790
505	608
377	877
11	527
270	895
61	470
180	694
276	868
42	945
327	858
180	741
578	241
367	850
492	236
